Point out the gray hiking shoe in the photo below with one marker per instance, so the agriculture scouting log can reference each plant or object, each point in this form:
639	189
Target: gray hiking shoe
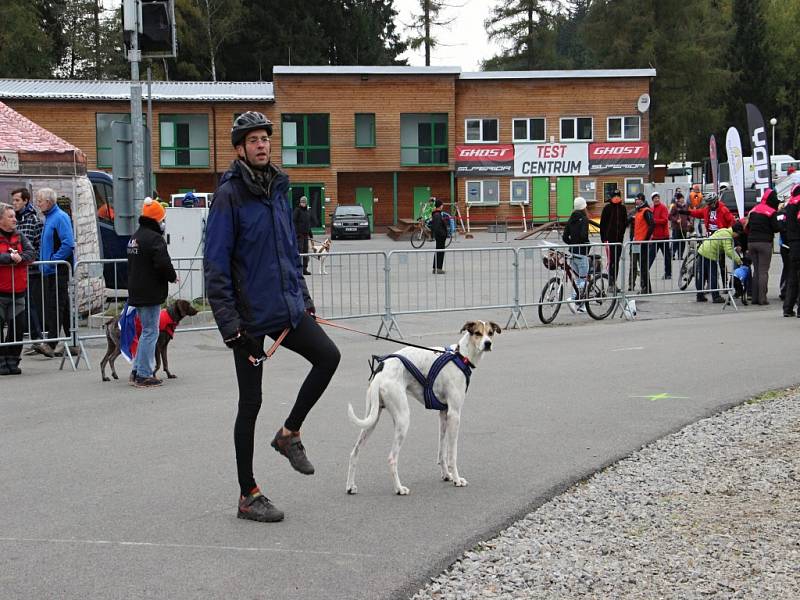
292	448
257	507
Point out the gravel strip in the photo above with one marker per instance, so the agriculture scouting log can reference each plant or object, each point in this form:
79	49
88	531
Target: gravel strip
712	511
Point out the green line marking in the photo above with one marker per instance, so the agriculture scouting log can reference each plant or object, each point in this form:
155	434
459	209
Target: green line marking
662	396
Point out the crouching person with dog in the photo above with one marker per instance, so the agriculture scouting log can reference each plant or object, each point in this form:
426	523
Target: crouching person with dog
255	285
150	271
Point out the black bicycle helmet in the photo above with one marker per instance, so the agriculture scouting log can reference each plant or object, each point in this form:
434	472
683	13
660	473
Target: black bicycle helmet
247	122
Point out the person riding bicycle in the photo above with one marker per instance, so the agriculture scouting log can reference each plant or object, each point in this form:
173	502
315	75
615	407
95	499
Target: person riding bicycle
576	232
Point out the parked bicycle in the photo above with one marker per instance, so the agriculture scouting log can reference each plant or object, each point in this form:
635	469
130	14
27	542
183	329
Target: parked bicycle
686	274
594	295
422	233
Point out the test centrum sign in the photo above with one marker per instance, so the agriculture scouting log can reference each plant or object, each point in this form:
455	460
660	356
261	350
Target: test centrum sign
496	159
551	159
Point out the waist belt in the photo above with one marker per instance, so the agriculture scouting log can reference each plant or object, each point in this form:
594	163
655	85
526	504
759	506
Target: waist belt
431	401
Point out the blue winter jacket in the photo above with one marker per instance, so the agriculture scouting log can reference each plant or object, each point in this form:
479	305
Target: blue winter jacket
253	272
58	242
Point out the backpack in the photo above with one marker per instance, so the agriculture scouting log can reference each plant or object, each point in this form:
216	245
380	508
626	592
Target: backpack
449	222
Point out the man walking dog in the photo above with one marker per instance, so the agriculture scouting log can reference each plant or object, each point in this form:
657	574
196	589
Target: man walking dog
149	271
254	281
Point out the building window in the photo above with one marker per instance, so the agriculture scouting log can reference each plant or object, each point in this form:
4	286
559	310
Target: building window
633	186
104	138
305	140
575	129
529	130
519	191
365	130
423	139
587	189
183	140
624	129
485	192
481	130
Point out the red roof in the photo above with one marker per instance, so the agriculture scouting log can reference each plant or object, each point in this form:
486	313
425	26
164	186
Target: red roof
20	134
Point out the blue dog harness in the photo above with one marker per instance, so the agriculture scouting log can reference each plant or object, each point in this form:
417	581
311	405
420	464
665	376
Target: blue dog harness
450	355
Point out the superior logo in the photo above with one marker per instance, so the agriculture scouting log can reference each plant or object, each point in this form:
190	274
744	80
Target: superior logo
484	169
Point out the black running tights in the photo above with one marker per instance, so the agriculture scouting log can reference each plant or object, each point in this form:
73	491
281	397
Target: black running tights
309	341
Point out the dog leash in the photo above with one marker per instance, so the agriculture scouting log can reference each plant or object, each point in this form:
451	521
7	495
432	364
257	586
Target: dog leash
272	349
322	321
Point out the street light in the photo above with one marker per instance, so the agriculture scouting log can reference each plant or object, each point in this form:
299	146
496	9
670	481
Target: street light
773	121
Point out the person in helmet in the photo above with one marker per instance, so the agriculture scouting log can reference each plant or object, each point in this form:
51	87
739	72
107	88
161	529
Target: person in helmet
715	214
189	200
255	285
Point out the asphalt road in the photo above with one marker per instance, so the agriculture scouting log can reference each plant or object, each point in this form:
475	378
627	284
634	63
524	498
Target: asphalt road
113	492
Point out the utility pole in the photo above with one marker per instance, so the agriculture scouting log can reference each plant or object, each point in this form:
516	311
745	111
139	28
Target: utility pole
135	56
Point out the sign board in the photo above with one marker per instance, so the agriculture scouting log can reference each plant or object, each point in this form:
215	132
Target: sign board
619	157
554	160
484	159
9	161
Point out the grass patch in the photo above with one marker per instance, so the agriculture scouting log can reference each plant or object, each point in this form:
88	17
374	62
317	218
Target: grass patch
771	395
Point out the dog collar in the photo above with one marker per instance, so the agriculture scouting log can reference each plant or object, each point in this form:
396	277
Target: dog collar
457	351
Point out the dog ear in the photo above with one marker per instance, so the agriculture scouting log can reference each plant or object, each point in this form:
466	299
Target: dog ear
495	327
468	326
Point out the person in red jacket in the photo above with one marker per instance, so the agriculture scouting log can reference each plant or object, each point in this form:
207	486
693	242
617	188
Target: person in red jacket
16	251
643	227
661	233
715	214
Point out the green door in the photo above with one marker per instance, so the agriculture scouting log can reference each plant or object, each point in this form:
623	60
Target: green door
564	190
540	199
421	196
364	198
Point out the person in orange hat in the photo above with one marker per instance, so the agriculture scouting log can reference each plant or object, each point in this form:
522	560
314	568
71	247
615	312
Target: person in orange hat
150	271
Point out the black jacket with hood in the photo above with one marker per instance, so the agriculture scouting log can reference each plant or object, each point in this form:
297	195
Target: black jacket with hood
149	265
576	231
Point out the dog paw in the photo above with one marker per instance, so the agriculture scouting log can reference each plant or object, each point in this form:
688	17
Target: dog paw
171	376
352	490
403	491
447	477
460	482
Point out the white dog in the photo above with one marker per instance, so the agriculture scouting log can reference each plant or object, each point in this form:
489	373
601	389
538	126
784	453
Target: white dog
320	252
393	384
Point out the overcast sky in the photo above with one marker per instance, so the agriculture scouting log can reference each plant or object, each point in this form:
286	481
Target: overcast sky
466	39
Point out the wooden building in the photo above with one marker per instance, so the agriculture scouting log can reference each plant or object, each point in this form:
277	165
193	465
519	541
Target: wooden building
496	143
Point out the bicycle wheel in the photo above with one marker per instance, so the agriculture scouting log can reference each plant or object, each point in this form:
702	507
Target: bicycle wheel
550	300
418	237
598	303
687	269
448	240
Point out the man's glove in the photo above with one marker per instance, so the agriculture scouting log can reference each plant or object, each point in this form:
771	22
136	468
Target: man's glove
311	309
244	341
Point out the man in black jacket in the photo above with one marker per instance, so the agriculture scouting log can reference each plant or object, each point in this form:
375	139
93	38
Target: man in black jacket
439	231
149	273
613	222
302	228
792	238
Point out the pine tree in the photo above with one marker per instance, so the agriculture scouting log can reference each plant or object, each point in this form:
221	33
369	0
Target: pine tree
25	47
423	24
529	26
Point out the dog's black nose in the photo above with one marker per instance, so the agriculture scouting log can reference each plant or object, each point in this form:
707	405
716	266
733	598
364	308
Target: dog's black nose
487	345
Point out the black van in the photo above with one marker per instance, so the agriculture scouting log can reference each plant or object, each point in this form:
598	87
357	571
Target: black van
729	199
112	245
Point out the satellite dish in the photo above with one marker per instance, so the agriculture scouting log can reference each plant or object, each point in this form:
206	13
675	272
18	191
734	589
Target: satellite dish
643	103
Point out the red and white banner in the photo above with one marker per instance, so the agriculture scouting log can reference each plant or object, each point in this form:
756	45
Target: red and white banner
619	157
484	159
564	159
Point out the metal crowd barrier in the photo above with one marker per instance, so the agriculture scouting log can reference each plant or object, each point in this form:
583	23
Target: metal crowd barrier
43	313
661	268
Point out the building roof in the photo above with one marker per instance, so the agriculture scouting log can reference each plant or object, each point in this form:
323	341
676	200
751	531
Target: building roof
165	91
364	70
19	134
578	74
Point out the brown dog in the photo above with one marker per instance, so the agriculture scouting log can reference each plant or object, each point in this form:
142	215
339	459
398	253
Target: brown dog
175	313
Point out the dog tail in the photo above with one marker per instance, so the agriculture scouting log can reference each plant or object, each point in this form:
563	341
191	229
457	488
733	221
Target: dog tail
373	405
